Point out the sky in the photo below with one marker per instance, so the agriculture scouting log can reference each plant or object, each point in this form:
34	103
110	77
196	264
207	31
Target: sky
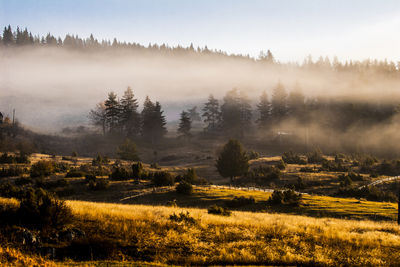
291	29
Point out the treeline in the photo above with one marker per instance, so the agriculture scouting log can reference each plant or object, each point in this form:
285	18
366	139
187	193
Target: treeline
121	117
23	37
236	116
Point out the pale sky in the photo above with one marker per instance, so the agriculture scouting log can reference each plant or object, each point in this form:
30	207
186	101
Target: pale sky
291	29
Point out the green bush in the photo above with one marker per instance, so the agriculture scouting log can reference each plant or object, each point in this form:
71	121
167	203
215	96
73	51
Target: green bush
253	155
127	151
280	165
315	157
120	173
218	210
184	188
42	168
190	176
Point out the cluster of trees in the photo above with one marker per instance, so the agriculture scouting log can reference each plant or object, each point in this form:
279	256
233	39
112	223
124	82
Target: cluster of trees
121	117
24	37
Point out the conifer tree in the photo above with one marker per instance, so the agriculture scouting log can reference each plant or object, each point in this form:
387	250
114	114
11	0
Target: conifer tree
153	121
264	108
233	160
8	37
112	112
279	103
296	103
129	117
98	117
185	125
211	114
231	113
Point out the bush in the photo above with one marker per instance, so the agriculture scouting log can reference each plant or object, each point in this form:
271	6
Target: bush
315	157
240	201
163	179
42	168
120	173
9	190
370	193
90	178
253	155
11	171
218	210
280	165
190	176
127	151
183	217
74	174
309	169
292	158
99	184
39	209
184	188
287	197
100	160
333	166
137	170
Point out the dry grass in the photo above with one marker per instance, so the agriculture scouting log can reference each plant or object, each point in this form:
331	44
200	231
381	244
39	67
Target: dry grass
245	238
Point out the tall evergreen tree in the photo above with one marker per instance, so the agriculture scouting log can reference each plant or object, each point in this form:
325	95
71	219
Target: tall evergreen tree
279	103
8	37
185	125
211	114
112	112
233	160
245	113
153	121
231	113
193	114
264	108
129	116
296	103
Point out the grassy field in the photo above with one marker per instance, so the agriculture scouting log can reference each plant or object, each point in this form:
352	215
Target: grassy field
144	233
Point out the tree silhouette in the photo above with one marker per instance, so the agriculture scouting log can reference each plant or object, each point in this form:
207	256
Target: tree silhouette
185	125
233	160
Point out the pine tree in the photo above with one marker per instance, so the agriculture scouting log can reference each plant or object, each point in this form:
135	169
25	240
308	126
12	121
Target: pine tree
231	113
279	103
264	108
185	125
112	112
129	116
245	113
212	114
8	37
153	121
233	160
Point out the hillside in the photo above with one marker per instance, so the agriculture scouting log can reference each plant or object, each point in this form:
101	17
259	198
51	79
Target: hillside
147	233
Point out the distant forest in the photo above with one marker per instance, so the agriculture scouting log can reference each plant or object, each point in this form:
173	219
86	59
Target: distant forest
20	38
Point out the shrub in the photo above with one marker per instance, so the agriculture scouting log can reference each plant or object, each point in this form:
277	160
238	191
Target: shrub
253	155
183	217
240	201
90	178
333	166
287	197
100	160
99	184
120	173
127	151
315	157
41	183
11	171
42	168
39	209
292	158
137	170
163	179
74	174
218	210
280	165
190	176
309	169
184	188
9	190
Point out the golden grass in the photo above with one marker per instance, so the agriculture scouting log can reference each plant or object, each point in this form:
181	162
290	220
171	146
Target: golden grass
13	257
245	238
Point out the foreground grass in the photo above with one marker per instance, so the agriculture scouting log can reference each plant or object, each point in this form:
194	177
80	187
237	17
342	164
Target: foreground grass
243	238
